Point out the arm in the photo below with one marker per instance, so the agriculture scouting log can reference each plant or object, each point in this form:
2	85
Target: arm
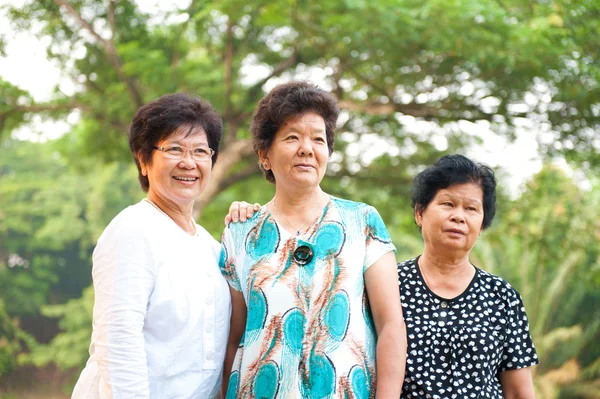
517	384
381	283
123	277
236	331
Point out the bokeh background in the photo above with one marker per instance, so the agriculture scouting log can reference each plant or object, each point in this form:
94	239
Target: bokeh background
512	83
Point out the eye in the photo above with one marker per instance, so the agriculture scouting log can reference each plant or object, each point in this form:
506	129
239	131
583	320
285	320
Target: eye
201	151
320	139
447	203
292	137
174	150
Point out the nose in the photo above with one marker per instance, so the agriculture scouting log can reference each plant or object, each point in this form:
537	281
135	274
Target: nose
458	216
187	161
305	148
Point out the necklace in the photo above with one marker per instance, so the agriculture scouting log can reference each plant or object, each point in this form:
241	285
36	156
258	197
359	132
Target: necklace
299	229
192	224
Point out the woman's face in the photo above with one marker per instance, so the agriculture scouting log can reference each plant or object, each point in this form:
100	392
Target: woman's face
299	152
179	181
453	219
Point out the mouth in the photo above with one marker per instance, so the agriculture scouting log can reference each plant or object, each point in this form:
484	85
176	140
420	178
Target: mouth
304	166
455	232
185	178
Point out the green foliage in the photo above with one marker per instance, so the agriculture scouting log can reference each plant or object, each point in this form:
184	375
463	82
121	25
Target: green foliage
69	348
546	247
10	344
50	219
483	61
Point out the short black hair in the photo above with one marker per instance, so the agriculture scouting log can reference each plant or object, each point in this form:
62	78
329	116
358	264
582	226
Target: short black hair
160	118
455	169
287	101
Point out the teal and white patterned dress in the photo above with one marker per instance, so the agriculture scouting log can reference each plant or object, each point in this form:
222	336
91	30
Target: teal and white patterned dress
309	330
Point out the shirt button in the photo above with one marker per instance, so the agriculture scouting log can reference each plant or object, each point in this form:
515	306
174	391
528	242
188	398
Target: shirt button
444	305
209	300
210	355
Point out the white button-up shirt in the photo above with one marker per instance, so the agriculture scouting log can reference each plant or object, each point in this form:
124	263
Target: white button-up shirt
161	312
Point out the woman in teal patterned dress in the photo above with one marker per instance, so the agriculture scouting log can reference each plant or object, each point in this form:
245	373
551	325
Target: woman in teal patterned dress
315	305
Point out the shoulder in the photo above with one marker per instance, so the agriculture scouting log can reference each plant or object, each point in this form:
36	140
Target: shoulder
236	233
498	287
133	220
357	210
346	207
406	270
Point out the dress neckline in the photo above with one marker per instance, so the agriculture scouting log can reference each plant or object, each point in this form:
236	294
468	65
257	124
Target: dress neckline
462	294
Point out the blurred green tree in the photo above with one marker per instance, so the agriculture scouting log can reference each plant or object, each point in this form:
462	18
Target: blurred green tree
391	63
546	246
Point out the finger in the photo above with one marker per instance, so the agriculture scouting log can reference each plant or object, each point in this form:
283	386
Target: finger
249	211
234	211
243	211
227	219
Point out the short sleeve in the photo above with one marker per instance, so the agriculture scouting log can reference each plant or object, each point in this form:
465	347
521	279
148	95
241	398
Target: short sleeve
378	240
518	350
227	259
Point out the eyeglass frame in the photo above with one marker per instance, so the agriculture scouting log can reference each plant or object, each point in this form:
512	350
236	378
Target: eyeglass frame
187	150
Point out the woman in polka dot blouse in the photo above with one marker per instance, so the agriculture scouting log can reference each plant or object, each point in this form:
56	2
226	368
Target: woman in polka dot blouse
468	334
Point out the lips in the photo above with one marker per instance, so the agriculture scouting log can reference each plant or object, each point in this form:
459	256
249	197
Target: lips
456	231
304	165
185	178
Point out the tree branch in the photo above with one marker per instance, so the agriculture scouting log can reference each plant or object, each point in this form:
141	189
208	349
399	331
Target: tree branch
109	47
250	170
228	158
73	13
417	110
228	62
255	91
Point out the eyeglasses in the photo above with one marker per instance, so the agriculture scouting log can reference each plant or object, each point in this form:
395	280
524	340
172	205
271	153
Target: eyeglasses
303	255
177	152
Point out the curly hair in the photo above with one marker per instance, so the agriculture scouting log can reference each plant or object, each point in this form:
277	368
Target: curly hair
160	118
287	101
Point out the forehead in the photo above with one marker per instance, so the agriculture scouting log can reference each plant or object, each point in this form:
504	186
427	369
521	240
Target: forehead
467	191
187	135
309	120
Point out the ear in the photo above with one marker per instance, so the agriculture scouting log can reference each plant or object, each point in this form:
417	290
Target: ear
143	166
419	215
264	160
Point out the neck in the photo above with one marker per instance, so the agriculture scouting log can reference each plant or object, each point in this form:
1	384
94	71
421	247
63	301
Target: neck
297	214
180	213
446	276
439	263
298	203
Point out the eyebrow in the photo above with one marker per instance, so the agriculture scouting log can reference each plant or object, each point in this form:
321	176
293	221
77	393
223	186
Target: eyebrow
466	199
293	129
202	144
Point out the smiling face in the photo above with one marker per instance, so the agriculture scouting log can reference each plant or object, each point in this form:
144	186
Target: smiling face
299	152
175	181
453	220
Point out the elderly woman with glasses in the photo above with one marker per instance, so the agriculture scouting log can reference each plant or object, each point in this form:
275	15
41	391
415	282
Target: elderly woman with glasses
161	310
315	305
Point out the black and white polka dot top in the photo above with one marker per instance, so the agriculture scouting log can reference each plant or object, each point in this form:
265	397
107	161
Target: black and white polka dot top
457	347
